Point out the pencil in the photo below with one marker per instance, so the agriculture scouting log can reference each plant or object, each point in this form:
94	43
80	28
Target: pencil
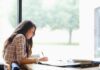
42	53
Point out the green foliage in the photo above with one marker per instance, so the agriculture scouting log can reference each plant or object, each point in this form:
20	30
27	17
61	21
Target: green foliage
9	12
57	14
12	16
62	15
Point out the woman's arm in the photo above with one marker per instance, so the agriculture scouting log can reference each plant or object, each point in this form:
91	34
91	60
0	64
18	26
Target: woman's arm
30	61
27	61
20	51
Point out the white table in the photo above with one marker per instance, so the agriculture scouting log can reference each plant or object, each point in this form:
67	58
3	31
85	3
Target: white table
44	67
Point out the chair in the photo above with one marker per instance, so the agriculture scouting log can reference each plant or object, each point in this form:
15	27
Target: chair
1	66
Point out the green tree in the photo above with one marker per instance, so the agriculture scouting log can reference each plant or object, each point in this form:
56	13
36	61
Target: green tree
63	15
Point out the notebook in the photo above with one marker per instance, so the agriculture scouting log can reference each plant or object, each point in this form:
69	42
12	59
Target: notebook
66	64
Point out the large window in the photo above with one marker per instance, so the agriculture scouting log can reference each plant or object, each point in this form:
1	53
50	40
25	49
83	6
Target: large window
64	28
57	24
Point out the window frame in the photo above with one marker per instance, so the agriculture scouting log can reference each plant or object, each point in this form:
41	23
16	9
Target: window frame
19	12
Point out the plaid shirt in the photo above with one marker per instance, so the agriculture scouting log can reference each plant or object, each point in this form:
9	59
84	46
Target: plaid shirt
16	50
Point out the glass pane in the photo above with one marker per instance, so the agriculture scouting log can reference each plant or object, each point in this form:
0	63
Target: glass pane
97	32
8	21
57	26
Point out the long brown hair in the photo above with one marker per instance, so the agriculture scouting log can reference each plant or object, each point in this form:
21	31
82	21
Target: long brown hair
22	28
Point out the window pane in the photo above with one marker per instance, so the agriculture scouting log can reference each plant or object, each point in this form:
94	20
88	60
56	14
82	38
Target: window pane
57	25
97	32
8	20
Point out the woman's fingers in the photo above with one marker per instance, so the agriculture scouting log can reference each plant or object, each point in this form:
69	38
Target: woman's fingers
44	59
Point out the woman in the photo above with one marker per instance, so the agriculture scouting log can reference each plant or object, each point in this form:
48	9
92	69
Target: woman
18	47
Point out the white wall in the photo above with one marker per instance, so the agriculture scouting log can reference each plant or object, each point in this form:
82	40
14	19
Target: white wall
87	22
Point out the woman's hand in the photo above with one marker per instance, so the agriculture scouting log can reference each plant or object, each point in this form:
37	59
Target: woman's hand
43	59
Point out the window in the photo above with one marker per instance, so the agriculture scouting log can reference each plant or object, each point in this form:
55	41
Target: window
8	21
57	24
64	27
97	32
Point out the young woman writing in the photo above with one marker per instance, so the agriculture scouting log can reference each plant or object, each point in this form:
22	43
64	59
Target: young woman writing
18	47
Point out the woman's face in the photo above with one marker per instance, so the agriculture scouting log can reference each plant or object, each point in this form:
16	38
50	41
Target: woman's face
30	33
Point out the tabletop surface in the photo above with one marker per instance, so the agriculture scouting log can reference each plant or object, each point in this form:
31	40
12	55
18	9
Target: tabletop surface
45	67
53	64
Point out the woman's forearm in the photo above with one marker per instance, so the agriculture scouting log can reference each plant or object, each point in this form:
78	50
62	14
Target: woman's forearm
27	61
30	61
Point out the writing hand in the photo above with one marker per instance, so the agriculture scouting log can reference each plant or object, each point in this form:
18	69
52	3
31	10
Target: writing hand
43	59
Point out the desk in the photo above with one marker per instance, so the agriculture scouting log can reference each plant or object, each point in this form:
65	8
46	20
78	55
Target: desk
44	67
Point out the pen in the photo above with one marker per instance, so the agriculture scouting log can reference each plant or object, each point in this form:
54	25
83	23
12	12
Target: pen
43	54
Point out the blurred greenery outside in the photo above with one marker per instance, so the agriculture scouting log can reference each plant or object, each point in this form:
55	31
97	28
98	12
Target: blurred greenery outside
8	21
56	14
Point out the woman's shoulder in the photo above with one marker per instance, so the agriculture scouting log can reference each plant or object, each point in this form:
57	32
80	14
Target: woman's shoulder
20	36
